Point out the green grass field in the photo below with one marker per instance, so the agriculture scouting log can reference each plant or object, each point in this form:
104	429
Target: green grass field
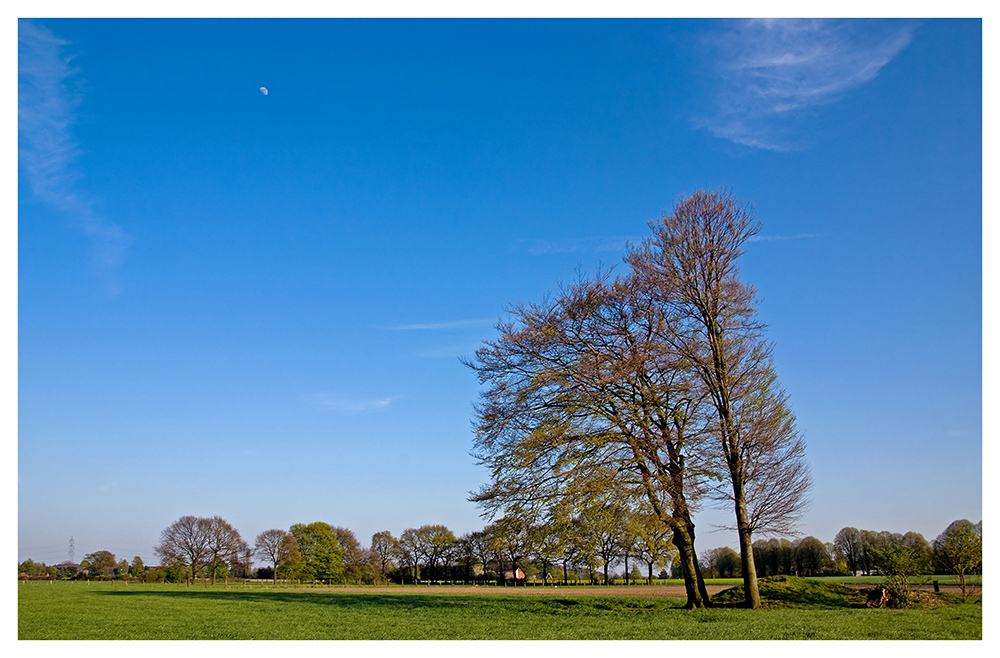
101	611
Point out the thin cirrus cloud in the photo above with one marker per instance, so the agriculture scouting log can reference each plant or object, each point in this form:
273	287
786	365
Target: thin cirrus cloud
446	351
348	403
437	326
774	72
450	351
48	96
768	238
571	245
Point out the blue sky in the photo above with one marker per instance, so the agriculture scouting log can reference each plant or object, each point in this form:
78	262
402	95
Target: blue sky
254	306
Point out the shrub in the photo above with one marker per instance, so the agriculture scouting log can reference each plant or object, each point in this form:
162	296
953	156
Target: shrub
897	563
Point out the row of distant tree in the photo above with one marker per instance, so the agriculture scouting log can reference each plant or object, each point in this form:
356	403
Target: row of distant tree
585	546
99	564
509	549
957	550
588	546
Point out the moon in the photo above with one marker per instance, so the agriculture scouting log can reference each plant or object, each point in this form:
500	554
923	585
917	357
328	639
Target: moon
263	90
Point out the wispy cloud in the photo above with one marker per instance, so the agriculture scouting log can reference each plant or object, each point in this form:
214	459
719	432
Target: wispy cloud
773	71
767	238
107	487
48	96
435	326
570	245
348	403
450	351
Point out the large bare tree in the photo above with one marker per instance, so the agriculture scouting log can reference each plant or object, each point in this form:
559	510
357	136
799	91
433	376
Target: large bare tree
689	267
186	541
224	543
277	547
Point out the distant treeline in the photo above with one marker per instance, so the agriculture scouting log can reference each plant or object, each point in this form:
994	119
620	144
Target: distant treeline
584	549
854	552
505	551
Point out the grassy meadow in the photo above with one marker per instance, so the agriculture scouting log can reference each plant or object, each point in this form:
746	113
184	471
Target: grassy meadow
104	611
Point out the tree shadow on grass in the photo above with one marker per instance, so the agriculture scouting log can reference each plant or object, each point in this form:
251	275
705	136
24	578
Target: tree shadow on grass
299	597
396	603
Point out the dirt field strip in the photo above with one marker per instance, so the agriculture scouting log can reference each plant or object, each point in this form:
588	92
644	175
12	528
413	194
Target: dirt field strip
674	591
667	591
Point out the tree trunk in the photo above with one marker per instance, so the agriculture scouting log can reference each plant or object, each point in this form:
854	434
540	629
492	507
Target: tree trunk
683	539
750	587
678	520
694	584
730	444
719	376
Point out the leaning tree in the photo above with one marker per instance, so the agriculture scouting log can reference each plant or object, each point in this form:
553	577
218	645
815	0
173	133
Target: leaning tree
689	268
